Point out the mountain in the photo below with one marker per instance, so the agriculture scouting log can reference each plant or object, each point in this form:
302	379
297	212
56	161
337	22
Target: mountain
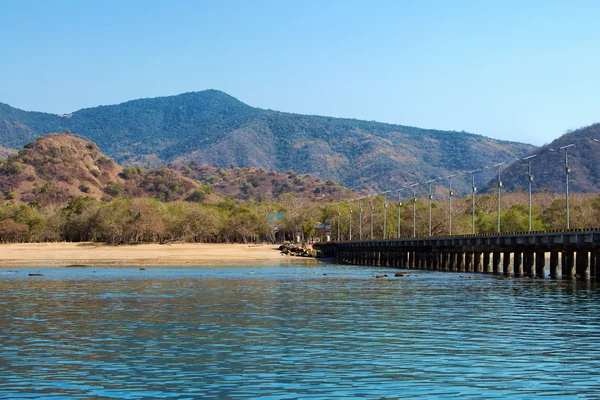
548	167
211	127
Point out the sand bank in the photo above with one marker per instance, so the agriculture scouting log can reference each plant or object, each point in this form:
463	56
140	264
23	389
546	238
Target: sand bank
178	254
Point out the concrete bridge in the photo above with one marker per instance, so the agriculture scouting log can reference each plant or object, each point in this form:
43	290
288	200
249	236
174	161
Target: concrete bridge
566	254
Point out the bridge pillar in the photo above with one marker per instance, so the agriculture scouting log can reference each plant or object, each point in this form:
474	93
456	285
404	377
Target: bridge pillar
528	261
540	264
460	262
477	267
593	265
424	260
506	265
453	258
469	262
496	262
582	266
487	267
597	264
554	264
445	261
518	263
411	259
567	266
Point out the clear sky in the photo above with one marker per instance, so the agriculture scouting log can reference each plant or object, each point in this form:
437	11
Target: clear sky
517	70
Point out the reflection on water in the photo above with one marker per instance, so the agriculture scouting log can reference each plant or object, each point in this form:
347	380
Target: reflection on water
294	332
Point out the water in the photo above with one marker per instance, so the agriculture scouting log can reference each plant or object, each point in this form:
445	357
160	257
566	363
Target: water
293	332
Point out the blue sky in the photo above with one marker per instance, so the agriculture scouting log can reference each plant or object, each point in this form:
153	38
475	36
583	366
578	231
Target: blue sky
515	70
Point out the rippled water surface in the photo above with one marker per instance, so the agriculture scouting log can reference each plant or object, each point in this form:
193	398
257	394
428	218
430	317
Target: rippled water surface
294	332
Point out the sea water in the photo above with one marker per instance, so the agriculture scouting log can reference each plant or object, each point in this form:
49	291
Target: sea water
321	332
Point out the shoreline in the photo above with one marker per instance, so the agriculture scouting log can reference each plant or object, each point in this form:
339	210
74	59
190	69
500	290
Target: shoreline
87	254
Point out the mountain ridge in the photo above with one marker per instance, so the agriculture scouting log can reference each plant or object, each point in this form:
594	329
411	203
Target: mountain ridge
214	128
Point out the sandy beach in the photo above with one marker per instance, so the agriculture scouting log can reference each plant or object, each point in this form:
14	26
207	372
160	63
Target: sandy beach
178	254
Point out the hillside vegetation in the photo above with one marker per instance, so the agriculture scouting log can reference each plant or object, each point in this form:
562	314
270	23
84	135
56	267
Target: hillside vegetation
548	167
58	167
213	128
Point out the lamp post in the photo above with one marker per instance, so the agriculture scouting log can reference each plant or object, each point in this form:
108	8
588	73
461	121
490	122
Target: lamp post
338	224
499	183
414	185
371	197
350	223
450	193
530	180
430	198
399	205
567	171
360	220
385	214
473	189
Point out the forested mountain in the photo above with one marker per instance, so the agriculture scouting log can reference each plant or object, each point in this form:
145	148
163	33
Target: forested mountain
548	167
211	127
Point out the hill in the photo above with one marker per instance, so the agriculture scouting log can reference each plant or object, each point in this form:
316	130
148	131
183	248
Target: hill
548	167
258	184
211	127
58	167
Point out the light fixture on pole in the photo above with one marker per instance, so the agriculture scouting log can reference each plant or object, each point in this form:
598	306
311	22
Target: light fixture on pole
385	214
530	179
450	193
473	190
499	184
360	220
414	201
371	197
399	209
567	172
338	224
350	222
430	198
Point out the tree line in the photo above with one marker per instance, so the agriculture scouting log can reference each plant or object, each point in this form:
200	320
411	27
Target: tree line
144	220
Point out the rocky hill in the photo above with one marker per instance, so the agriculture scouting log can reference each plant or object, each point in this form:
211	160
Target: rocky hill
213	128
548	166
259	184
58	167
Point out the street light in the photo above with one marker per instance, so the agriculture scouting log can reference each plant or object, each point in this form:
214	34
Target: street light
499	183
530	178
450	193
338	224
360	222
567	171
371	197
474	189
430	197
399	204
384	214
414	208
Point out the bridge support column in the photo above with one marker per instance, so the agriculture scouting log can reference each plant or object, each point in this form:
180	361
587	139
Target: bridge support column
518	263
496	262
554	264
540	264
582	267
445	262
506	265
477	267
469	262
528	262
567	266
597	264
592	265
460	262
453	257
487	267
